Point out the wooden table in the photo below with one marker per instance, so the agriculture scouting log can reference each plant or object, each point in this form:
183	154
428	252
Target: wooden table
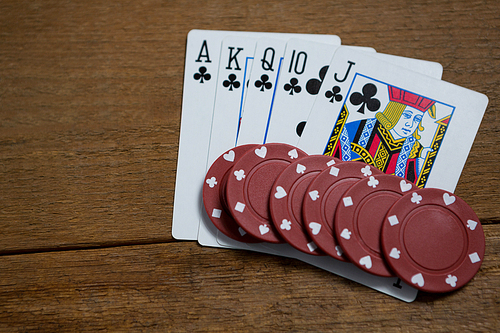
90	105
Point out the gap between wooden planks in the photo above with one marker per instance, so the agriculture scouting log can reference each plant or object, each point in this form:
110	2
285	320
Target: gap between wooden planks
184	287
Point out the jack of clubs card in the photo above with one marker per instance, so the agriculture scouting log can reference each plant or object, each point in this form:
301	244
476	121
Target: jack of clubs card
395	130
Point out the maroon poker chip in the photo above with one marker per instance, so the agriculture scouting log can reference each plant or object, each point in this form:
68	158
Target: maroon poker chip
321	200
359	218
433	240
214	195
286	200
250	184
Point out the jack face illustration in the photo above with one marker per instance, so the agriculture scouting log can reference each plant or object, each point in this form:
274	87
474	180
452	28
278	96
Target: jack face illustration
388	134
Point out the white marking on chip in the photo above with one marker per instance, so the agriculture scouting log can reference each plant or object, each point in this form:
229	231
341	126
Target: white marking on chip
474	257
334	171
240	207
216	213
393	220
312	246
347	201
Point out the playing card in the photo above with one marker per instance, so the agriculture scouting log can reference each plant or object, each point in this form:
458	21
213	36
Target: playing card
234	66
331	94
257	101
392	286
402	122
200	75
260	99
359	84
261	90
227	242
304	67
429	68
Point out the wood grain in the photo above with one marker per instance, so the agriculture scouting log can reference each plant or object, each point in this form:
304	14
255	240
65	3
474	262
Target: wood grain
184	287
90	104
91	98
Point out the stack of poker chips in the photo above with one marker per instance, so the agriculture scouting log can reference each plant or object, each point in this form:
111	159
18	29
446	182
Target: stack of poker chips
385	225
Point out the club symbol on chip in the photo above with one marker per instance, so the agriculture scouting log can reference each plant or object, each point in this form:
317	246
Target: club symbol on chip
451	280
448	199
212	182
373	182
240	174
416	198
366	171
286	225
280	192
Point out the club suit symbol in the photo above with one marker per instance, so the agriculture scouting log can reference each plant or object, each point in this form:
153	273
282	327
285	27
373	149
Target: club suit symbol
313	85
372	104
202	76
293	86
334	94
263	83
231	82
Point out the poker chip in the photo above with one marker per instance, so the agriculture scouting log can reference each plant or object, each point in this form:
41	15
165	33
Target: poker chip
214	195
249	187
433	240
321	200
359	218
286	200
